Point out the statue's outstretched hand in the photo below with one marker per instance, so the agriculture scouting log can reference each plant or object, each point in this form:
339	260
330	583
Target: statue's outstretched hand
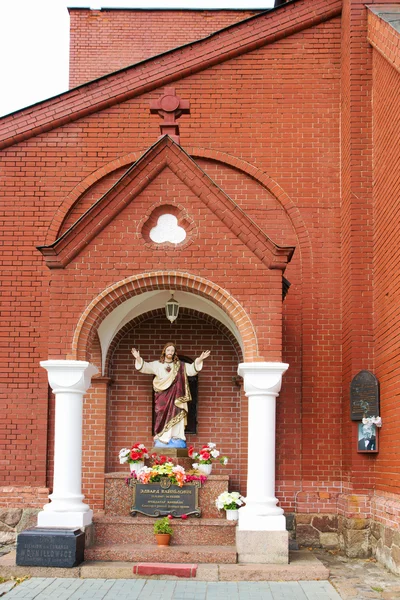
136	353
204	355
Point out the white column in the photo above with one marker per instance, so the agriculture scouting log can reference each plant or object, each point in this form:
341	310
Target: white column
262	384
69	380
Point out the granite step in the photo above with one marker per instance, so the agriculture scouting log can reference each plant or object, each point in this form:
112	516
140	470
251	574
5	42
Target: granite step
133	530
146	553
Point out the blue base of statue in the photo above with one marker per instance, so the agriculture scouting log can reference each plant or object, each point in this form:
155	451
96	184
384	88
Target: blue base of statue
171	444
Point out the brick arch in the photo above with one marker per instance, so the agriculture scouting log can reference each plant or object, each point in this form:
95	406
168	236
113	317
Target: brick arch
273	187
82	187
159	312
121	291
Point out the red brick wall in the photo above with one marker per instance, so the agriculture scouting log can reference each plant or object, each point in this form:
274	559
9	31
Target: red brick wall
386	105
287	127
356	227
108	40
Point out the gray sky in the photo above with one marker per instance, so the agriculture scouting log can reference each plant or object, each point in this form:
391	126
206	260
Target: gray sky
34	42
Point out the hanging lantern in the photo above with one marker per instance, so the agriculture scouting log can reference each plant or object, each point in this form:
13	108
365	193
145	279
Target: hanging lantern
172	308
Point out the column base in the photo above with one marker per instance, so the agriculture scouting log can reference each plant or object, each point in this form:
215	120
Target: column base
267	547
64	519
248	521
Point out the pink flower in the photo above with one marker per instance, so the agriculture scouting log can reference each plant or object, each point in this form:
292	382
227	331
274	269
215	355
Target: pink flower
184	517
170	517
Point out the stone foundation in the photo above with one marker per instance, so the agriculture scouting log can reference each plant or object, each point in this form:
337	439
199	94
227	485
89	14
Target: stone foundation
15	520
317	530
355	534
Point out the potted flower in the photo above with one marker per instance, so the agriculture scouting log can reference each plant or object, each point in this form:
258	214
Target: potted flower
205	457
230	502
135	456
163	531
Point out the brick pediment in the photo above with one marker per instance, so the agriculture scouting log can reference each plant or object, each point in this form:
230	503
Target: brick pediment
165	153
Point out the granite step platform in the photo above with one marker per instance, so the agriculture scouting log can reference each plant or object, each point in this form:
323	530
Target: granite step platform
303	565
146	553
134	530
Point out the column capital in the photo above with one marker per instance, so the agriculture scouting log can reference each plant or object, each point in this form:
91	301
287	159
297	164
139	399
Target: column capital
262	378
69	375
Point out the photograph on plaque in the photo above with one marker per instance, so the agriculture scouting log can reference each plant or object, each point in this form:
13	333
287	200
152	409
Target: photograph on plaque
367	440
364	396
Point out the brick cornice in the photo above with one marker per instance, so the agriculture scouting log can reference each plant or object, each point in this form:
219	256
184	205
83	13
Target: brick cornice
162	154
231	42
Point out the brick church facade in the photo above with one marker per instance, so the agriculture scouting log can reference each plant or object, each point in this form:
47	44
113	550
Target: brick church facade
279	157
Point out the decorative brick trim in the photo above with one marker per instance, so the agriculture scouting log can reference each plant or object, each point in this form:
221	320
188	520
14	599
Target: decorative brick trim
164	153
117	293
273	187
53	231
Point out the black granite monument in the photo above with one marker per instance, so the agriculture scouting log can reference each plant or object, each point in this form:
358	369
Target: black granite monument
50	547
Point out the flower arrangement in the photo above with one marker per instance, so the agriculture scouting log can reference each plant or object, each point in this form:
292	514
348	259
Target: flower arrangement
162	526
207	454
229	501
176	473
372	421
137	453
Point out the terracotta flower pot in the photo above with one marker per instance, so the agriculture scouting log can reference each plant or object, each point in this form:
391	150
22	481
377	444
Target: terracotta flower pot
163	539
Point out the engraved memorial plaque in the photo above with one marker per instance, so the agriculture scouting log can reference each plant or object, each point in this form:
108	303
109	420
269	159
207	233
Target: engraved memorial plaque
55	547
164	498
364	396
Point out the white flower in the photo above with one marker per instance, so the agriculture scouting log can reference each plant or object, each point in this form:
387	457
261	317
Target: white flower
211	445
226	499
124	455
141	446
224	460
369	421
215	453
178	469
195	465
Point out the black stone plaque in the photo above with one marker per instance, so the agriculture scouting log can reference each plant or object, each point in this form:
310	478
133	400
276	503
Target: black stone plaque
164	498
364	396
55	547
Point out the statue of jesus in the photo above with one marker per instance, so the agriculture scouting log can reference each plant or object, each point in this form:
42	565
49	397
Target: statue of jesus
172	394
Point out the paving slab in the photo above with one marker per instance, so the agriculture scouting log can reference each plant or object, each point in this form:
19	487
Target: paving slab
128	589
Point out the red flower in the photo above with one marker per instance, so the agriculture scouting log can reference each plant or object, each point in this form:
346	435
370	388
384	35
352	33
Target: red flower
135	455
204	455
170	517
163	459
190	451
184	517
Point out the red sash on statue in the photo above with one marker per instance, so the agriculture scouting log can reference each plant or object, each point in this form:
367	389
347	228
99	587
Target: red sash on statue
168	413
